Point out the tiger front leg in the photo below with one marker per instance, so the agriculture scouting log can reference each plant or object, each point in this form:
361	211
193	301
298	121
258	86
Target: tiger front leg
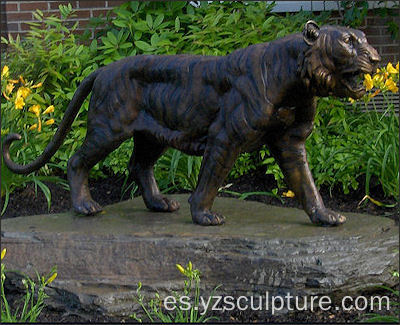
291	155
219	157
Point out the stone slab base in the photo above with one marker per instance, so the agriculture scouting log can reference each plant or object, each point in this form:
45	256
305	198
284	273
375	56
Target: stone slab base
261	248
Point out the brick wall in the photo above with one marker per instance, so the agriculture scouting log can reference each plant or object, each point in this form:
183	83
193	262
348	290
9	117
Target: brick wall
378	35
16	14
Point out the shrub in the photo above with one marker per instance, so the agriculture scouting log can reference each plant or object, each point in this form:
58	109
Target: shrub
25	109
347	144
178	27
51	54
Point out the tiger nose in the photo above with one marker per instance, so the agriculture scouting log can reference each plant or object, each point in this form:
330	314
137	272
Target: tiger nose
374	57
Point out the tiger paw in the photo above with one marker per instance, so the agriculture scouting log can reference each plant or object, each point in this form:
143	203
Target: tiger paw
161	203
327	218
208	218
87	207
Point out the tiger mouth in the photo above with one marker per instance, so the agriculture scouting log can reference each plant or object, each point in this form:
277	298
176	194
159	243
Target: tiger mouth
353	81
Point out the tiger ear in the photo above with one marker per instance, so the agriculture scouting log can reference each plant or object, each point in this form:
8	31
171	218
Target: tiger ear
310	32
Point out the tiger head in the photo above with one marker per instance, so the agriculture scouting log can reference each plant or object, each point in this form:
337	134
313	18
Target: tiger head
336	59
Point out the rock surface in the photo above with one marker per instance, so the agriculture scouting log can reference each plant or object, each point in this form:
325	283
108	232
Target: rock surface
261	248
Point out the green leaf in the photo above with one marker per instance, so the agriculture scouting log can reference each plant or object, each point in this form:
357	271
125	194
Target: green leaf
109	51
125	45
79	50
154	40
137	35
158	21
177	24
39	98
268	22
144	46
107	43
149	21
38	15
123	13
93	45
140	26
119	23
134	5
190	10
46	192
112	38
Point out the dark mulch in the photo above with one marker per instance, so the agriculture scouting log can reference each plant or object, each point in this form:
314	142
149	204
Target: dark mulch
334	198
106	191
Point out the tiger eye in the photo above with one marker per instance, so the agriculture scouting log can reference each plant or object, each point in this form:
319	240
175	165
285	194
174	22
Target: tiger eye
347	40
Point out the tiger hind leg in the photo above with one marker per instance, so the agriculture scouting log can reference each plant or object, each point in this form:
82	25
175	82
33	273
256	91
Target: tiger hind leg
96	146
141	166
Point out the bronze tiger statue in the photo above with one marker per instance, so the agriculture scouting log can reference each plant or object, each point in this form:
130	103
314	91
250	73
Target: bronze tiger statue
215	106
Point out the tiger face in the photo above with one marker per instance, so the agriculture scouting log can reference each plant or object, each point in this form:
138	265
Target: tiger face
338	58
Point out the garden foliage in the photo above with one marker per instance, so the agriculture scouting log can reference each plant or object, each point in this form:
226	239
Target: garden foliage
349	143
340	150
27	111
32	302
185	310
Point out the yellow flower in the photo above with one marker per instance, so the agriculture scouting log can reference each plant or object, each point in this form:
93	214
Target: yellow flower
351	100
3	253
19	103
5	96
397	66
37	85
35	109
5	72
180	268
49	110
33	127
39	125
390	85
51	279
391	69
378	78
13	81
49	122
288	194
368	83
23	91
22	80
9	88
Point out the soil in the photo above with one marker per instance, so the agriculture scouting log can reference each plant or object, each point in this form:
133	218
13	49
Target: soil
25	202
